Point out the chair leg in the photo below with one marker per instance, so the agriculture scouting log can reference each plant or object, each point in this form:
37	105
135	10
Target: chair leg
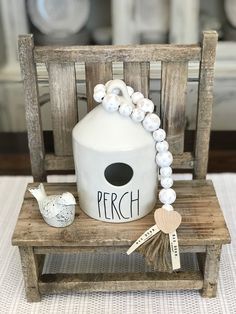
209	265
30	268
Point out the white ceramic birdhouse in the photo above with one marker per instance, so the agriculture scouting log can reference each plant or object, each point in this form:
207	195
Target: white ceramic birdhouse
115	158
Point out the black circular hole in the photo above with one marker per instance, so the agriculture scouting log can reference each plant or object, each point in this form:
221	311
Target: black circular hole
118	173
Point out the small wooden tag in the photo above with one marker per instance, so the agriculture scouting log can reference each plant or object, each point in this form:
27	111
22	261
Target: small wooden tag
167	221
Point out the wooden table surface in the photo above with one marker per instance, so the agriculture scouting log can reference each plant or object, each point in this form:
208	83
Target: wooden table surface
202	221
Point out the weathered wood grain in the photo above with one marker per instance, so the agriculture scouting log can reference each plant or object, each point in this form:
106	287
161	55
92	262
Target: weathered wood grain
204	106
137	75
183	161
211	270
202	221
104	250
54	283
173	99
29	265
96	72
63	101
57	163
127	53
52	162
32	108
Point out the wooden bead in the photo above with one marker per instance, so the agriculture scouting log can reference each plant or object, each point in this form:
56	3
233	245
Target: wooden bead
167	182
151	122
137	115
136	97
164	159
111	102
166	172
146	105
162	146
99	87
130	90
108	83
125	109
116	91
99	95
159	135
168	207
167	196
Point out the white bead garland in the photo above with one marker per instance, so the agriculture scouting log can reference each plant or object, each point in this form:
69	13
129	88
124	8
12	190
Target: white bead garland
168	207
164	159
108	83
125	109
146	105
142	112
99	87
166	171
151	122
136	97
162	146
167	182
111	102
159	135
130	90
137	115
167	196
99	95
115	91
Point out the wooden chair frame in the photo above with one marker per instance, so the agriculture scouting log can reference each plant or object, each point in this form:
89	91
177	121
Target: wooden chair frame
203	229
60	62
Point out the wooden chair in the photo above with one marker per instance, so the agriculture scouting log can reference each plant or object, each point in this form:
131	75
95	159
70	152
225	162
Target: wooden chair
203	229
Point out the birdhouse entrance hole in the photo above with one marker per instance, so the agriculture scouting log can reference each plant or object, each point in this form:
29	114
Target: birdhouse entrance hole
118	174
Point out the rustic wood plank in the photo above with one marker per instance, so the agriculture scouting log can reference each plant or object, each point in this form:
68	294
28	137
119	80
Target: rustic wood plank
211	271
54	283
201	257
62	87
173	98
183	161
105	250
202	221
52	162
205	100
96	72
32	108
137	74
30	270
126	53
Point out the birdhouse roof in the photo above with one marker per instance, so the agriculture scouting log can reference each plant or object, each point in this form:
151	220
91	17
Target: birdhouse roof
104	131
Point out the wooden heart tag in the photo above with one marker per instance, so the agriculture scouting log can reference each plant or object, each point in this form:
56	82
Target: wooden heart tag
167	221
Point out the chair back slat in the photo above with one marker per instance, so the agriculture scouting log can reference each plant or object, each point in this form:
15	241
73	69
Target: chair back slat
204	105
136	74
174	76
96	73
125	53
32	108
62	87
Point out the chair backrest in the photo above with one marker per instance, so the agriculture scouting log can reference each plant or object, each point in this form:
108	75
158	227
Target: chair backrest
60	63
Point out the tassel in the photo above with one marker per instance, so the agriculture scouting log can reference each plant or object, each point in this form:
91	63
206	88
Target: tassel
156	251
159	244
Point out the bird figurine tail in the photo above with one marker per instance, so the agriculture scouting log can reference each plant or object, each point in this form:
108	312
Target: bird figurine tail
39	192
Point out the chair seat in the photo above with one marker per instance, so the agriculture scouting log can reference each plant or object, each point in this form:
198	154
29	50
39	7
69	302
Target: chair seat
202	221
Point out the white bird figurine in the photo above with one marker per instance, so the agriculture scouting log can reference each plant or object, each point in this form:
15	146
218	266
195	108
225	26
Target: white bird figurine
57	210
